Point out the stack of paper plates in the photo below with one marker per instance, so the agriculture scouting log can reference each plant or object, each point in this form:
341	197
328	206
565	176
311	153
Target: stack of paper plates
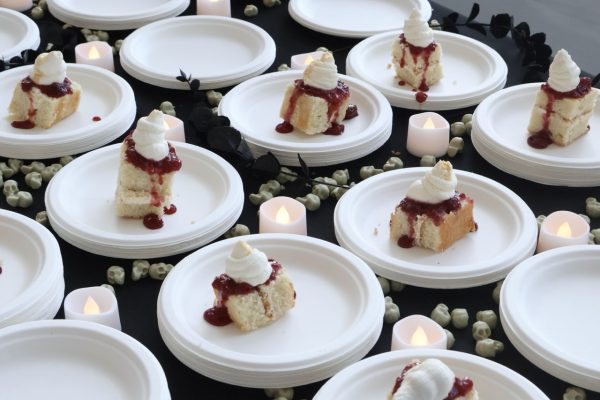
103	94
207	192
337	318
253	108
115	14
17	33
31	281
500	135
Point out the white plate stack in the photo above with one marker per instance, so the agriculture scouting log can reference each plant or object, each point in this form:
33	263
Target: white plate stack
207	191
253	108
337	318
500	135
31	282
18	32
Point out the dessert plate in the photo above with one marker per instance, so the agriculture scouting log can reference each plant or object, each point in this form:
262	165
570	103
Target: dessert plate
115	14
253	108
207	191
219	51
553	326
346	17
506	235
104	94
472	71
31	276
374	377
17	33
68	359
290	351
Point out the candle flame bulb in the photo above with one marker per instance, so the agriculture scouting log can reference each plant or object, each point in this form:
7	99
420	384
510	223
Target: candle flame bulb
90	306
94	54
564	230
429	123
282	216
419	338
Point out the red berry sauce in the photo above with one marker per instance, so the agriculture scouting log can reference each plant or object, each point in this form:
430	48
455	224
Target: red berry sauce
96	118
416	52
153	221
460	388
284	127
172	209
54	90
351	112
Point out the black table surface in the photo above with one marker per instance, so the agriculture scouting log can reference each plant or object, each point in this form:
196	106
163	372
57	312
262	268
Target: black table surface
137	300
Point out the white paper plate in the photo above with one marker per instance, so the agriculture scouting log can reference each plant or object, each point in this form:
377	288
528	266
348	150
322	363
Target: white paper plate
104	94
299	348
472	71
346	18
362	218
253	108
115	14
548	307
207	191
70	360
219	51
18	32
32	270
374	377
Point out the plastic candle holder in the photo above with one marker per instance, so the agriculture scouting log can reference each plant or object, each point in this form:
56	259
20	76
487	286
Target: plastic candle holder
175	131
95	53
301	61
17	5
428	134
418	331
213	7
283	215
562	228
93	304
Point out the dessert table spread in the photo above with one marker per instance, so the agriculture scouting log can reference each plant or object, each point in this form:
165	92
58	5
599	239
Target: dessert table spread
137	300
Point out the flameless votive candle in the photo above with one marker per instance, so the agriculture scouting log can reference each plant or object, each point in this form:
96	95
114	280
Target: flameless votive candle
17	5
93	304
301	61
562	228
95	53
428	134
175	131
418	331
282	214
213	7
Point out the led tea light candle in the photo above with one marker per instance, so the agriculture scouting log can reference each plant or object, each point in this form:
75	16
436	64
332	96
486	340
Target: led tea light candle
95	53
282	214
418	331
428	134
17	5
301	61
562	228
93	304
175	131
213	7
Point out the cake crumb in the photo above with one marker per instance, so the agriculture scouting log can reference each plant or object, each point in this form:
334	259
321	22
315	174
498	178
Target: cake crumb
375	231
389	66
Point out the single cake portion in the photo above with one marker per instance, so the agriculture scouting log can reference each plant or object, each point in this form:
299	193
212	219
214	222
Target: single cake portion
147	166
563	105
416	56
46	96
431	379
253	292
318	103
433	215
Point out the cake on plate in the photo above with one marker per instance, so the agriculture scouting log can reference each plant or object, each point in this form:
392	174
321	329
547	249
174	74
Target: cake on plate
317	103
563	105
416	56
46	96
431	379
433	215
253	292
147	166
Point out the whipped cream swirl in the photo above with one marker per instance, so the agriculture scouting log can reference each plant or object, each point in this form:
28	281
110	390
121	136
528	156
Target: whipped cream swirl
564	73
246	264
149	136
437	185
49	68
417	31
322	74
428	380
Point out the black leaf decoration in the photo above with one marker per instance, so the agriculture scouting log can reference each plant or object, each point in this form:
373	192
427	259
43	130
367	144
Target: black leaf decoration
474	13
194	84
595	80
533	74
304	169
224	139
203	119
520	34
500	25
478	27
538	38
449	22
266	166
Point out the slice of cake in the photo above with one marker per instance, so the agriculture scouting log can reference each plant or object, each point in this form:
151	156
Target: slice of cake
318	102
431	379
253	292
563	105
433	215
415	55
147	166
46	96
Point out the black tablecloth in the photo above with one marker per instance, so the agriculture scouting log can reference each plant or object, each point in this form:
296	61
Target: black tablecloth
137	300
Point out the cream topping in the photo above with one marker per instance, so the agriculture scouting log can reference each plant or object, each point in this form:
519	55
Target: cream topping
149	136
49	68
417	31
428	380
564	73
322	73
437	185
246	264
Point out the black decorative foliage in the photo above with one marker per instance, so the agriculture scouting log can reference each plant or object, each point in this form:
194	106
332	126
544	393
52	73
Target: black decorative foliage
266	166
595	80
304	169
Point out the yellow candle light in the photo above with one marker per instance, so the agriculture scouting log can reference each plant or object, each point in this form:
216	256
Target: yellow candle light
429	124
93	54
93	304
428	134
418	331
282	216
562	228
419	338
90	306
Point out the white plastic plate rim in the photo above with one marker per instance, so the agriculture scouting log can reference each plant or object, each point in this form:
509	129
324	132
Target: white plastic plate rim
30	38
